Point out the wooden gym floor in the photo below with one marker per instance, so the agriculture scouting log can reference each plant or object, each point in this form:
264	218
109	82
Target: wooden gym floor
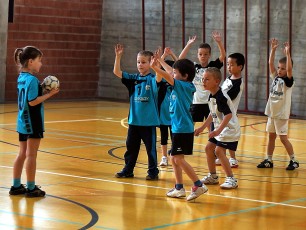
83	148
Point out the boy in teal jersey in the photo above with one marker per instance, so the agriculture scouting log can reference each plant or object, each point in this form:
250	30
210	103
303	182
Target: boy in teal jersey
143	93
181	124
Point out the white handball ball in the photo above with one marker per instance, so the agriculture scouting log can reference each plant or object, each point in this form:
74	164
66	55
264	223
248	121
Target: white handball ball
51	82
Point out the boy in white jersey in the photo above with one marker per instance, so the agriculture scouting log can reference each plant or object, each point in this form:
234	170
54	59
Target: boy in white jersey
278	106
233	87
199	108
226	132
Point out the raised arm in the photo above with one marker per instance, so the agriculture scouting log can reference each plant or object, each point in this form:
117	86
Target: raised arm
289	61
218	39
274	45
169	52
117	66
186	49
159	72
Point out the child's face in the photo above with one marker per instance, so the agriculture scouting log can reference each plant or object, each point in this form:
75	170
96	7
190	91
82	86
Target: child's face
178	76
281	70
34	65
210	83
232	67
143	64
203	55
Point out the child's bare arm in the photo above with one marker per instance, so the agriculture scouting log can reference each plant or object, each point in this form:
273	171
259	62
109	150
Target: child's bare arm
117	69
186	49
159	72
289	62
205	124
223	124
274	45
218	39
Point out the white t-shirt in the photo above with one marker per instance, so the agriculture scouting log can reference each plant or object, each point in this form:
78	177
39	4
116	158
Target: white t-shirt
279	102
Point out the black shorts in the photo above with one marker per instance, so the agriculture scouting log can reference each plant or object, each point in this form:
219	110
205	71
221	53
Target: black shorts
199	112
25	137
182	143
227	145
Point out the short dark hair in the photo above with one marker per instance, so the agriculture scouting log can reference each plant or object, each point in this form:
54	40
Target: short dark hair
283	60
205	46
185	66
239	59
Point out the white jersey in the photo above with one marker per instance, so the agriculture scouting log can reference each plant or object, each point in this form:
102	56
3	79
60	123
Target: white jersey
279	102
220	105
233	88
201	95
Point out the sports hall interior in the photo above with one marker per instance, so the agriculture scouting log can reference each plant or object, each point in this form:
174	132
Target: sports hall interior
86	123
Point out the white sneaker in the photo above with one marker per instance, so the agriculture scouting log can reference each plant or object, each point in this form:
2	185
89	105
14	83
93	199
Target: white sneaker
230	183
164	161
218	162
175	193
210	180
196	192
233	162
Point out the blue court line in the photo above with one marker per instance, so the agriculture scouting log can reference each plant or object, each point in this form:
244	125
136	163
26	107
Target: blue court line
225	214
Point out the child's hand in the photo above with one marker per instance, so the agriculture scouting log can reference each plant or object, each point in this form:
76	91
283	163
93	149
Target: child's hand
286	48
191	40
154	61
119	49
274	43
198	131
167	51
216	36
54	91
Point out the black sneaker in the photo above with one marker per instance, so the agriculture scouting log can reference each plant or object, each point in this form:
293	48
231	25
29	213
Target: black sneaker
265	164
21	190
293	165
148	177
36	192
123	174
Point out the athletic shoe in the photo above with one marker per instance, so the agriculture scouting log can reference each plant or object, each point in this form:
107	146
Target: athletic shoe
210	180
123	174
265	164
36	192
164	161
149	177
21	190
175	193
230	183
217	162
196	192
293	164
233	163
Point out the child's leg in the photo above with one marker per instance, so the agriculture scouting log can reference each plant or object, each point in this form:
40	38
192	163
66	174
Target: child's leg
148	135
18	163
177	170
210	157
164	139
271	145
32	148
232	154
284	139
220	152
180	161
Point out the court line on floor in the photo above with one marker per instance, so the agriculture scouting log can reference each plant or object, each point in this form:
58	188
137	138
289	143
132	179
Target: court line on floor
157	187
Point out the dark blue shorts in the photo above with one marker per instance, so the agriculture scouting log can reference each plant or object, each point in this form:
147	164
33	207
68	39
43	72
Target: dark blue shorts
227	145
25	137
182	143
